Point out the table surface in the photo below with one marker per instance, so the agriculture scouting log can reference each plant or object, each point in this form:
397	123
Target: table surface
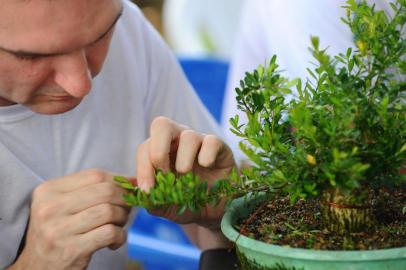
219	259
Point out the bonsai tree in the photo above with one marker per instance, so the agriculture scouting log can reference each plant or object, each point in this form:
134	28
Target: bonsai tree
339	139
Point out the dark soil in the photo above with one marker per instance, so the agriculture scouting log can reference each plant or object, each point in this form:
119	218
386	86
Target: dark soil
300	225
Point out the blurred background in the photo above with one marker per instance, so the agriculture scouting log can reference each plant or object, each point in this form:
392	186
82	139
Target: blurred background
195	28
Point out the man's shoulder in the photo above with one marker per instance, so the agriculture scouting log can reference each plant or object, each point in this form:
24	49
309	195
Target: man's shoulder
132	30
132	15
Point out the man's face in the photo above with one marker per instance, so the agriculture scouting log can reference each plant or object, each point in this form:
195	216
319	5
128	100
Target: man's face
51	49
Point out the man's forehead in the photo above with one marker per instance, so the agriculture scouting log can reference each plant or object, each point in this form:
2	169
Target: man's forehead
48	25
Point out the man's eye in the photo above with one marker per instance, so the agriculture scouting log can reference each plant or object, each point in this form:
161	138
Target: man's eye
27	57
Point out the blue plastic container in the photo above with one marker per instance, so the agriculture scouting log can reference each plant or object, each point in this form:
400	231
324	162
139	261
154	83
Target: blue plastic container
208	77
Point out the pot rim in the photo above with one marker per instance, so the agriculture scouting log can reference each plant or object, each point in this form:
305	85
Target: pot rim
299	253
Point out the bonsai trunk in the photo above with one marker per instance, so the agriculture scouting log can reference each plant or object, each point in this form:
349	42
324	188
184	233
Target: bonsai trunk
342	216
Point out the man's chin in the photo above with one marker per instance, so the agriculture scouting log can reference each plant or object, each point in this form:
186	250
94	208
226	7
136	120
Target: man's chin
54	107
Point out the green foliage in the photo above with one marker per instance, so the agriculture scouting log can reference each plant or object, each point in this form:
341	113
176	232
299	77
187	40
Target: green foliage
344	127
187	192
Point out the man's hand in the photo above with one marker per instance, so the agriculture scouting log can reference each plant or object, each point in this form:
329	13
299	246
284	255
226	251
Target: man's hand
174	147
72	217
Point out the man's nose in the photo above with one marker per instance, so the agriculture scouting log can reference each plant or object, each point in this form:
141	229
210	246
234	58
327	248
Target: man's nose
72	73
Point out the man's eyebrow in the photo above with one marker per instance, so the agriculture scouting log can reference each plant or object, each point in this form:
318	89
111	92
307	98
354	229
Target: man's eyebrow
22	53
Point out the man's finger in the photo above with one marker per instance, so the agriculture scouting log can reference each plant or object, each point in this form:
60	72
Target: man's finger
145	169
214	152
77	180
103	236
163	133
189	145
92	195
97	216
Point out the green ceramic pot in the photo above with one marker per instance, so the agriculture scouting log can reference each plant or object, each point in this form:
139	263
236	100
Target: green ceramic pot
255	254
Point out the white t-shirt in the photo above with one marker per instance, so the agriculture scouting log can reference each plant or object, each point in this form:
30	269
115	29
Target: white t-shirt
281	27
140	80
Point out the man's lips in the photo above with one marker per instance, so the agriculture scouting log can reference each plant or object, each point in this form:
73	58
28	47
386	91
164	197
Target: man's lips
60	97
55	97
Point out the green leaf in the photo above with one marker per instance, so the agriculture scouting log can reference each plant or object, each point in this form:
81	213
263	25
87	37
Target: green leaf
348	53
181	210
128	186
351	65
315	42
120	179
403	148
